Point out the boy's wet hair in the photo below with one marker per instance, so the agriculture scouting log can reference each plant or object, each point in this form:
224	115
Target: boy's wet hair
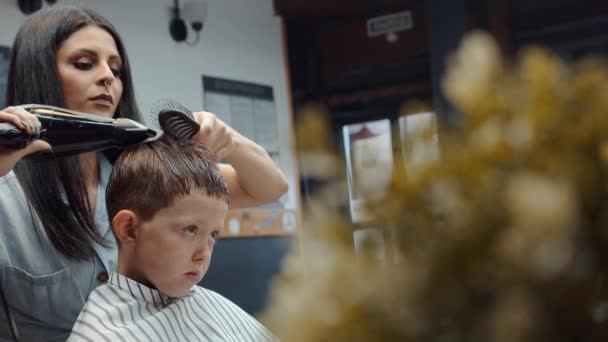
149	177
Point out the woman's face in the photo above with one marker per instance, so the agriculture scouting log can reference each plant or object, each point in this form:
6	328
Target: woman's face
89	66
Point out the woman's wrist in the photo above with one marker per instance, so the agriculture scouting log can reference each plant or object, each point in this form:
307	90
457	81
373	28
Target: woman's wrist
241	149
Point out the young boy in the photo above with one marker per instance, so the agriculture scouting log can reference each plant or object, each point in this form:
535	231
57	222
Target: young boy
167	204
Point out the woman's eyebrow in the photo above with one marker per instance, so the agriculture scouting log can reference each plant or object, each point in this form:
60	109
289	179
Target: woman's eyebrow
94	53
86	51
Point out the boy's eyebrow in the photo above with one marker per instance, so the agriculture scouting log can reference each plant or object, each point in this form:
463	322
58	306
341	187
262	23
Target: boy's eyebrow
182	224
186	222
178	225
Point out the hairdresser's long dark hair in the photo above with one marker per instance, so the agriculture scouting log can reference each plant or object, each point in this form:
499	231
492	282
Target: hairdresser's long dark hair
33	78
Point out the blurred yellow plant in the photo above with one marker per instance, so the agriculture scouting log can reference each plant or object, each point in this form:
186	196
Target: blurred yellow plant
505	238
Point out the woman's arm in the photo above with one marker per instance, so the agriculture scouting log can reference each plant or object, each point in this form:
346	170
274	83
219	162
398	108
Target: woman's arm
252	176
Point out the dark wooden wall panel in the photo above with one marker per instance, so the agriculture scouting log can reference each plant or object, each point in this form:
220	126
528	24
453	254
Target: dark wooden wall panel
347	45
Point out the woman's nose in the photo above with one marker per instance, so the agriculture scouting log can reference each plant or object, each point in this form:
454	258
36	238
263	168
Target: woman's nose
106	76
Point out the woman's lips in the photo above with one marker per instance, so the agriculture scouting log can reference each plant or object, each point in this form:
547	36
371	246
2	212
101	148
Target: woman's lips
103	100
102	103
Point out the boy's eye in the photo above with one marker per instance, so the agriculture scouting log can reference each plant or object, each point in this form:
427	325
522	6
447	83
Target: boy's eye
215	234
190	231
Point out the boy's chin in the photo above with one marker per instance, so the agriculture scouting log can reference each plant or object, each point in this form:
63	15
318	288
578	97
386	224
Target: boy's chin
176	292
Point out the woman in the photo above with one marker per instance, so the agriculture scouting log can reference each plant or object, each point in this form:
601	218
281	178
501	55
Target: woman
55	241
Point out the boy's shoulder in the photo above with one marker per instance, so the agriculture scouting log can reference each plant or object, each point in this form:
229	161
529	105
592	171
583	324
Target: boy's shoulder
114	297
215	301
104	296
109	310
216	305
200	291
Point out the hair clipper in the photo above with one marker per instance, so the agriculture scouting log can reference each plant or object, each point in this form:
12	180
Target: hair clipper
70	132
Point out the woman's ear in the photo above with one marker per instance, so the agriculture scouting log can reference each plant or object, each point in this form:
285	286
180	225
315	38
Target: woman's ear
125	225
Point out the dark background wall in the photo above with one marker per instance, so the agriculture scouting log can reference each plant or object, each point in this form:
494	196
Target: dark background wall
333	62
242	269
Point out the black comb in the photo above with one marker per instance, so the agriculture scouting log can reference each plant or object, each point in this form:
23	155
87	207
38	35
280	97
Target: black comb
177	120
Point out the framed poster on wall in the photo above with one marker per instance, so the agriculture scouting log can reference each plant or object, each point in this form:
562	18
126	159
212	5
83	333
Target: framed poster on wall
250	109
247	107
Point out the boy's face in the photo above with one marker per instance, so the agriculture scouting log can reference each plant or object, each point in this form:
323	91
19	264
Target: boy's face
173	249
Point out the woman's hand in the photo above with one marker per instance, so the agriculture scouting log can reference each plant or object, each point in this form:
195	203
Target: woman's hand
215	134
252	176
26	122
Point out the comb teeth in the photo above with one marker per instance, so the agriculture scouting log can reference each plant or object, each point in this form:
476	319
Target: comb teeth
180	127
176	120
178	124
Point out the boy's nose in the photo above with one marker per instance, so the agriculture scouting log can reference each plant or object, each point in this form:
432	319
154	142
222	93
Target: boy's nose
203	251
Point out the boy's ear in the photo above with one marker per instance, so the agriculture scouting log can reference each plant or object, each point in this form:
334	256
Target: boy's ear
125	225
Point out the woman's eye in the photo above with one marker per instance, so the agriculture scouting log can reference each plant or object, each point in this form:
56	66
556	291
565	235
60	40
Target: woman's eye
117	72
83	65
190	231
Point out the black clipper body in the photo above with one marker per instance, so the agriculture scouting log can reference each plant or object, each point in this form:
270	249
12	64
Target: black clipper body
70	132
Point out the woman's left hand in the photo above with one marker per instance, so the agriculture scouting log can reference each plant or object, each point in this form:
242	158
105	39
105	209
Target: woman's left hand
215	134
251	175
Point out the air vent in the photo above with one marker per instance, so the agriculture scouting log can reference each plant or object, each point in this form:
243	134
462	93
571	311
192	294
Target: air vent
388	24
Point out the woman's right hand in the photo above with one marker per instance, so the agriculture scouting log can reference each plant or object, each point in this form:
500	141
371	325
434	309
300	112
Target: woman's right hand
26	122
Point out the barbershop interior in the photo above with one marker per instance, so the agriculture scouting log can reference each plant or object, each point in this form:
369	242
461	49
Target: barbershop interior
304	170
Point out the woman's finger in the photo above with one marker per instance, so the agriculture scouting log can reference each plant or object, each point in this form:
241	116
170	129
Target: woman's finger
227	144
36	146
206	128
30	121
227	139
215	139
220	135
22	114
12	119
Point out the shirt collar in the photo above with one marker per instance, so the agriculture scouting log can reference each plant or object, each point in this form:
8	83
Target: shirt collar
105	169
140	291
101	214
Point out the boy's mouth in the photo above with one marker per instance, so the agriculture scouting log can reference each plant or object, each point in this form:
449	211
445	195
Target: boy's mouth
194	276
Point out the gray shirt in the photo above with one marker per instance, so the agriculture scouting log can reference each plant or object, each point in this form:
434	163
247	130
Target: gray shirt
45	290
